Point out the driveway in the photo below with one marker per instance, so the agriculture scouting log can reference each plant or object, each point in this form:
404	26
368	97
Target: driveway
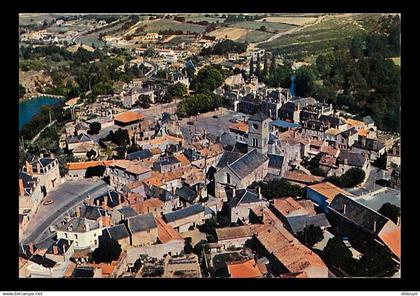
66	197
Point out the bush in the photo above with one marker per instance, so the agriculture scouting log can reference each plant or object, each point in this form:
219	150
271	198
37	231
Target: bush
310	235
279	188
94	128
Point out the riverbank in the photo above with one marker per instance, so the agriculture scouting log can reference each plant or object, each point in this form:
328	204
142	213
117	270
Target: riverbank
38	95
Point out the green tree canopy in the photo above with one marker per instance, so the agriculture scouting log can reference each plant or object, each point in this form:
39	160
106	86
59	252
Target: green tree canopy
108	250
390	211
337	254
305	82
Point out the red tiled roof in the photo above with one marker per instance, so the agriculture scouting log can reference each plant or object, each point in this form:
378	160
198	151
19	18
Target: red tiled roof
300	177
128	116
166	233
86	164
244	269
328	190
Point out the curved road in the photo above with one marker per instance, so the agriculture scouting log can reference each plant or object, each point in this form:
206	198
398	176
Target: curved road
68	195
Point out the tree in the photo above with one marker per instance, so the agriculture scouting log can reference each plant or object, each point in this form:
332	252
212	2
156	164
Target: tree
97	171
91	154
278	188
304	82
390	211
144	101
337	254
199	103
273	65
351	178
109	250
310	235
208	79
263	28
257	66
265	70
188	248
377	261
94	127
356	47
176	91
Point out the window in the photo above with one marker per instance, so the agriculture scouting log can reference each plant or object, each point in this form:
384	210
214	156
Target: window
75	236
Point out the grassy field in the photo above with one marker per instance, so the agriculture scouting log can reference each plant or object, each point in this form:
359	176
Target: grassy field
199	18
255	36
271	27
329	29
166	24
297	21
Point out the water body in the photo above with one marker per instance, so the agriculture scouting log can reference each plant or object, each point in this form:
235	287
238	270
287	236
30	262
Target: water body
292	85
30	108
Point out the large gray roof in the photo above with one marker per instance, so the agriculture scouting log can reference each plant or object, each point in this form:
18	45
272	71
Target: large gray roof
358	213
92	212
141	222
244	196
117	232
183	213
248	163
258	116
228	157
298	223
353	158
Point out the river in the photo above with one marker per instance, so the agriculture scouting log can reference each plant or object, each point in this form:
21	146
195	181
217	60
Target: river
30	108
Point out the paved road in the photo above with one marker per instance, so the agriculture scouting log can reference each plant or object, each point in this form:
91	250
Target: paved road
66	197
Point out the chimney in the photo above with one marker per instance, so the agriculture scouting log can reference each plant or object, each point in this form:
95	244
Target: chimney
233	191
21	188
259	192
106	202
29	169
344	209
374	226
55	249
78	212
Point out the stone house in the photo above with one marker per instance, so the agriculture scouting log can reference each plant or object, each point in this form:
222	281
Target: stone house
143	229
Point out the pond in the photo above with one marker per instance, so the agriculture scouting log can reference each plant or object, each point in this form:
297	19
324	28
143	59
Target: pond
30	108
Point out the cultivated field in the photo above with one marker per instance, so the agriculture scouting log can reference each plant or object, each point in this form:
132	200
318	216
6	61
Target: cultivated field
230	33
166	24
297	21
204	18
271	27
255	36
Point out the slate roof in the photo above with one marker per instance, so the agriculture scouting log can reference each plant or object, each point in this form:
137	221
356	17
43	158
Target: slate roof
358	213
258	116
349	132
332	120
248	163
275	161
368	120
38	259
353	158
78	139
127	212
141	222
162	194
168	160
92	212
186	193
284	124
78	224
183	213
62	245
142	154
28	180
244	196
117	232
112	198
298	223
83	272
228	157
